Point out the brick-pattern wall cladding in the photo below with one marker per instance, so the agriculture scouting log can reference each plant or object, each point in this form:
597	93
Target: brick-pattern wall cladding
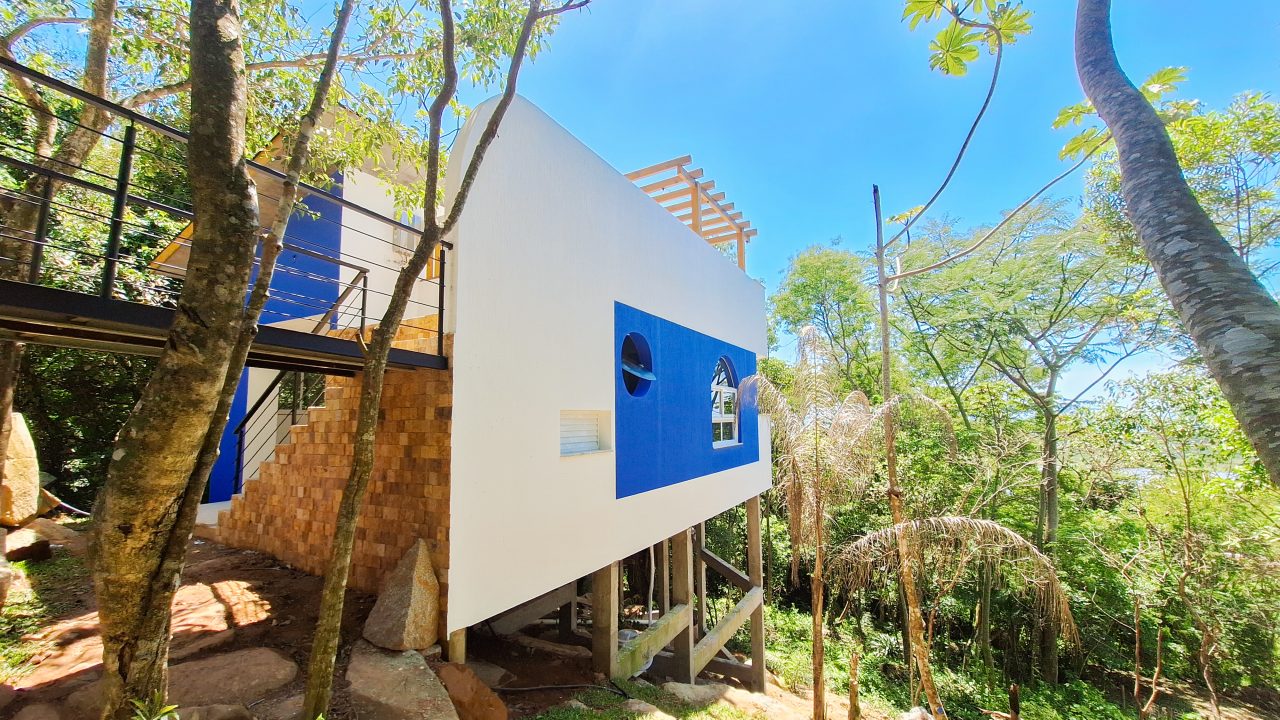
288	511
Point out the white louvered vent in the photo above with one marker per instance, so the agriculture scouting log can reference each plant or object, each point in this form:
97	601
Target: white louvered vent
582	431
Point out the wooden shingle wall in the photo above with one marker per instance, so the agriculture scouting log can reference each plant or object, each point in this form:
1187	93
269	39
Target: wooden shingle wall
288	511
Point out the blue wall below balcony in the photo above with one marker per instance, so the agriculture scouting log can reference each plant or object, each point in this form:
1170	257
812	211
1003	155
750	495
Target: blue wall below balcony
663	437
302	286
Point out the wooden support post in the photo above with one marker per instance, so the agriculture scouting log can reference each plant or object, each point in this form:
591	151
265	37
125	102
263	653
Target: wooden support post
695	202
662	570
682	594
742	250
568	619
457	650
755	571
604	619
700	580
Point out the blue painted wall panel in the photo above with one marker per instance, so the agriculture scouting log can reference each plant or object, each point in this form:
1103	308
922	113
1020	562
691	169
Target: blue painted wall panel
302	286
663	437
222	479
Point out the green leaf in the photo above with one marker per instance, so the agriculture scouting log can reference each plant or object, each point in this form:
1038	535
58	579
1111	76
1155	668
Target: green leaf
1162	82
953	49
1011	23
1073	114
918	11
1083	144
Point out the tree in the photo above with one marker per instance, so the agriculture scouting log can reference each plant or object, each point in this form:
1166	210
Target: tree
498	22
167	447
824	289
821	441
1035	302
136	53
1233	320
1230	159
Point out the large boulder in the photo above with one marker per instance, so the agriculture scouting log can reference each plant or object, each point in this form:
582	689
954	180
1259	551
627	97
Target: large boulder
407	613
385	685
20	482
471	697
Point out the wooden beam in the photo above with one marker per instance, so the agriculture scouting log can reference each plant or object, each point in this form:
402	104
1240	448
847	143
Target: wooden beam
682	193
672	181
639	651
677	207
708	646
695	199
735	576
755	571
604	619
682	594
531	610
659	167
742	251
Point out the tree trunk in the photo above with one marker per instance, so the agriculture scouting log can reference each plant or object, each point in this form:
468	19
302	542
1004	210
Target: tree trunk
1049	492
324	648
906	546
986	580
816	591
137	513
1233	320
855	708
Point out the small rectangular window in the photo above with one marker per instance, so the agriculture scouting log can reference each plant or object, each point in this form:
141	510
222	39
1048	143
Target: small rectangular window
583	431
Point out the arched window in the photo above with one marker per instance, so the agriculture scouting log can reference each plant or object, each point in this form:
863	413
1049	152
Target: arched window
724	406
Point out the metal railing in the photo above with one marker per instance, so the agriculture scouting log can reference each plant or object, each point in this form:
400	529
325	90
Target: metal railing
313	280
265	425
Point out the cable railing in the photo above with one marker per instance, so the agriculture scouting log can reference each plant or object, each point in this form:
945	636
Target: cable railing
101	229
265	425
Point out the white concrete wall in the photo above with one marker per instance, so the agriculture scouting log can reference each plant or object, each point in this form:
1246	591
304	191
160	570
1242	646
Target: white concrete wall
551	237
377	252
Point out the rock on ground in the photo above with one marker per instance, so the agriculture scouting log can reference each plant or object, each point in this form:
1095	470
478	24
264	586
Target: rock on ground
471	697
386	685
491	675
216	712
239	677
288	708
6	579
20	482
706	694
38	712
407	613
76	543
645	710
19	546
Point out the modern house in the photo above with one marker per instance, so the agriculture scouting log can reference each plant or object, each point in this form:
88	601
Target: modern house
546	413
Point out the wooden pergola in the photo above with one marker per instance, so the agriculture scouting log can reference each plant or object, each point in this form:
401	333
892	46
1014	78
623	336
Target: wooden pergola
684	193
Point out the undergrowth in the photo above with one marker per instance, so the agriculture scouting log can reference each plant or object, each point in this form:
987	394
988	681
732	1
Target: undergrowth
604	705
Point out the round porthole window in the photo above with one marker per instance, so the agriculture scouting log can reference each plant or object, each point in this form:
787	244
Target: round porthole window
637	364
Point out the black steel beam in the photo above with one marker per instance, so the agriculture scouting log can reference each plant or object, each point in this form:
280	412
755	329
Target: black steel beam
50	316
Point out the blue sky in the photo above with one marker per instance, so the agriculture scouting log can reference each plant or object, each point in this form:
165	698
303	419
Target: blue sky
795	109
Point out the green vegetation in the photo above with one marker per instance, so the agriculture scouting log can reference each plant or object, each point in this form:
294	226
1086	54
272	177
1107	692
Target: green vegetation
50	591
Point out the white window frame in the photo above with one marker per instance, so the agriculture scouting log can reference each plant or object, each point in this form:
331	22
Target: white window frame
724	407
402	240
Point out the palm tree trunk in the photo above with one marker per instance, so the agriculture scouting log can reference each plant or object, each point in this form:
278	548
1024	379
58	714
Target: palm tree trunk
1233	320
